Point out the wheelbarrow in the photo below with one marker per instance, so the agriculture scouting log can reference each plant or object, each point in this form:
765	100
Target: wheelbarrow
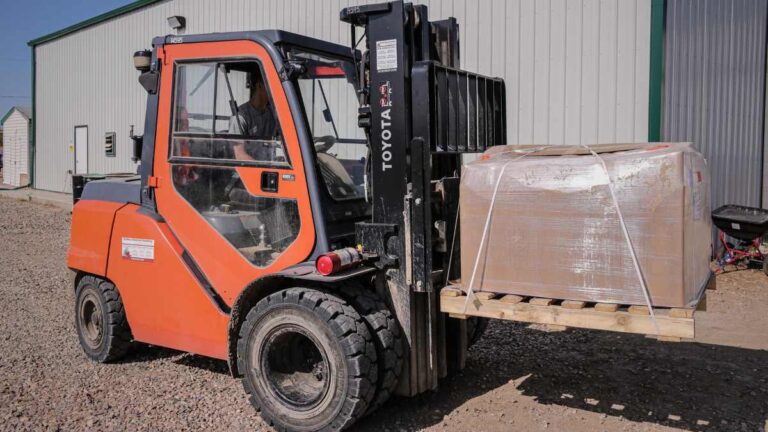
748	225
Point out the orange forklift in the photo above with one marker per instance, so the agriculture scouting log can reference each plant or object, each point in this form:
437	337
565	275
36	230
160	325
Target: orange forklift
294	214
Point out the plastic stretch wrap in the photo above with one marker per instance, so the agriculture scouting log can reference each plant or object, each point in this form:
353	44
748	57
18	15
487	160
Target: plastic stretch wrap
555	232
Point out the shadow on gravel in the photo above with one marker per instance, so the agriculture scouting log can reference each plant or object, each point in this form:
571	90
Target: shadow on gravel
141	353
685	385
145	353
205	363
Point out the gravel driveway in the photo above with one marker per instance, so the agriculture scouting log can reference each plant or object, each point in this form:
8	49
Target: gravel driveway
517	378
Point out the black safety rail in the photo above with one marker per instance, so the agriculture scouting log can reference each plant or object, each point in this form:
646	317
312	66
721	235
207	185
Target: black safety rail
456	111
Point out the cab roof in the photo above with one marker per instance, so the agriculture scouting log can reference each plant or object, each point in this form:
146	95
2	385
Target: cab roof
275	37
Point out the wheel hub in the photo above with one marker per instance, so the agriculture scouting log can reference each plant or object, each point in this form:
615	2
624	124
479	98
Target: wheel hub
91	319
295	367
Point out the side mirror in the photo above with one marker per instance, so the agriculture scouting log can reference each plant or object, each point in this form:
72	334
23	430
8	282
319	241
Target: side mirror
149	80
142	61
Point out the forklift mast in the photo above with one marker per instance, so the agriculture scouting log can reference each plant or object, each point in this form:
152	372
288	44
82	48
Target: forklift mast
421	114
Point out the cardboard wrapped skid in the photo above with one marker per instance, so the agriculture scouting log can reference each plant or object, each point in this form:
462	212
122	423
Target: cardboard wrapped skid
554	230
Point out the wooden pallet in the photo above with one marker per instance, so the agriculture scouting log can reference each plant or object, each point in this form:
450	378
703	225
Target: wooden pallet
673	323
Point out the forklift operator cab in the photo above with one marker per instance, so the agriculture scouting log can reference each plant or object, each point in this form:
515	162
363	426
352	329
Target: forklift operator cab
262	152
213	101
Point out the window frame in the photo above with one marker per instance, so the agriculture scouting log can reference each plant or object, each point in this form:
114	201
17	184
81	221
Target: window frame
291	52
203	161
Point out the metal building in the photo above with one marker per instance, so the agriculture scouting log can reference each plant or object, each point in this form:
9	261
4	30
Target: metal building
16	126
576	71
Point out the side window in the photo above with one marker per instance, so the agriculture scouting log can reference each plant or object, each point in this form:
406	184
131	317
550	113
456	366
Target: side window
222	118
223	113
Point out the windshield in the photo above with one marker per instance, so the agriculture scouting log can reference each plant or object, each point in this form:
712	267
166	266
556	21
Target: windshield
330	103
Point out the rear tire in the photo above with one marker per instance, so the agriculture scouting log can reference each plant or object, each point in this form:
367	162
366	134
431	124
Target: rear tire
387	337
308	361
100	320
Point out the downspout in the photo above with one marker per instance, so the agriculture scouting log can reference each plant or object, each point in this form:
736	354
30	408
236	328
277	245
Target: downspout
656	76
33	127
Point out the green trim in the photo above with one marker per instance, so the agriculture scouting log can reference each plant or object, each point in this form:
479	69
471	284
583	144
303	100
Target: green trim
656	76
8	114
92	21
11	110
31	146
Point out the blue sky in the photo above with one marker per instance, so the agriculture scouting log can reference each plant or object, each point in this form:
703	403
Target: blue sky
22	21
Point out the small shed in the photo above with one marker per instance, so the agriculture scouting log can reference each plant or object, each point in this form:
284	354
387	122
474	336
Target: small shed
16	127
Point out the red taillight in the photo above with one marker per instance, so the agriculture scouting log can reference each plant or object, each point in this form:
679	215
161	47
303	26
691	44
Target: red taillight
342	259
325	265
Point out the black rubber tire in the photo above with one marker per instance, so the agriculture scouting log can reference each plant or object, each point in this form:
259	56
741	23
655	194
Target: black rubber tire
113	338
339	335
390	348
765	265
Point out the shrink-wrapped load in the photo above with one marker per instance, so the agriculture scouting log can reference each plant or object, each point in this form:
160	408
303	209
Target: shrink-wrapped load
555	232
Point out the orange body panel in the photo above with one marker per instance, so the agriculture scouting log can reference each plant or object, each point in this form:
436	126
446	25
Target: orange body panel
163	301
226	269
89	237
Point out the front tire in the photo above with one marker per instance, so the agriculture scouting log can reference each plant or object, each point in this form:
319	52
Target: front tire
308	361
100	320
390	350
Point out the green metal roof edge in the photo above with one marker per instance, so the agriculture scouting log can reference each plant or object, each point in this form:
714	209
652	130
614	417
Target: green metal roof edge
8	114
130	7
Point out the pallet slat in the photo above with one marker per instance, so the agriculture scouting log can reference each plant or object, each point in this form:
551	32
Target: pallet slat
451	292
541	301
511	298
606	307
573	314
681	313
572	304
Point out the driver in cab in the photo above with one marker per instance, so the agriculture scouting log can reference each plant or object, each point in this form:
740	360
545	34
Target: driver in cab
254	120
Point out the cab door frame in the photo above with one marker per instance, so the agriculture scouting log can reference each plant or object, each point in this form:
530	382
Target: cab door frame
227	270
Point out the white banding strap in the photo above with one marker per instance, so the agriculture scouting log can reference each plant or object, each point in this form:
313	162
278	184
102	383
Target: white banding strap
453	243
632	252
488	222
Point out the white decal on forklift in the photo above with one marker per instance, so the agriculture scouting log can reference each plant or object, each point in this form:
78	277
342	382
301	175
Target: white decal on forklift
386	55
386	135
138	249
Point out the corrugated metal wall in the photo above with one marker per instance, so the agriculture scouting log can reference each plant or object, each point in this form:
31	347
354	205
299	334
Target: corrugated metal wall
15	142
576	70
714	90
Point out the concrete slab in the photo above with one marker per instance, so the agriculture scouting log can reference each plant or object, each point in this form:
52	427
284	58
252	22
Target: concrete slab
58	199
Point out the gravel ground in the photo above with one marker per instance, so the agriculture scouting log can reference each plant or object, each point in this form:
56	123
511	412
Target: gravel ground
517	378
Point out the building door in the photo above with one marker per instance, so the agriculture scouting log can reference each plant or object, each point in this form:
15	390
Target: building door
81	149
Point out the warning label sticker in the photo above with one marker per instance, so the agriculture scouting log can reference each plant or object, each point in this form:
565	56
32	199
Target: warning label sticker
138	249
386	55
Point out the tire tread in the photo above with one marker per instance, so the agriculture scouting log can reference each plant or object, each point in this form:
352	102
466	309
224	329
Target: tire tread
353	336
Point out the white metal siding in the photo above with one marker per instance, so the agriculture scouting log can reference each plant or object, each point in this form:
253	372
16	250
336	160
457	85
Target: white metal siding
576	70
714	90
15	150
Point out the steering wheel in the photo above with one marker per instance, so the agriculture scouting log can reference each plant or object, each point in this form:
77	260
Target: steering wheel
324	143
